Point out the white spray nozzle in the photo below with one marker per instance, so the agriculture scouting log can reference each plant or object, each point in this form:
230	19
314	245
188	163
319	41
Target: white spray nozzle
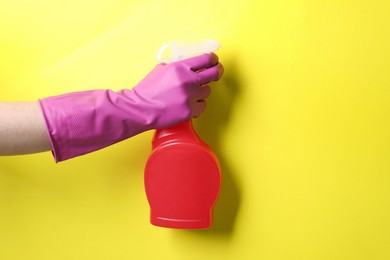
179	50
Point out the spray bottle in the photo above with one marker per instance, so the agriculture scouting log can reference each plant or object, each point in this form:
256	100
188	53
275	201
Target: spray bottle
182	174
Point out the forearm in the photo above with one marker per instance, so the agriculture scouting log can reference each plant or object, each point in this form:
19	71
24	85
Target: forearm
22	129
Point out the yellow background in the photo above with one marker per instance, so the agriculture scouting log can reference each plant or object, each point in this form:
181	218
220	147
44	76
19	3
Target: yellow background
300	122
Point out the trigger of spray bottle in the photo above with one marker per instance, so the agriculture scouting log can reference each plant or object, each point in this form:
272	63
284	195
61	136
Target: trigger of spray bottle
182	173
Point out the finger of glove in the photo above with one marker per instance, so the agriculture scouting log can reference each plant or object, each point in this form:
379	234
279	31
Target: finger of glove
203	92
198	108
210	74
200	62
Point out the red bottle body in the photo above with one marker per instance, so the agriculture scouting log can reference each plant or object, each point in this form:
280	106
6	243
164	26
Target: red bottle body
182	179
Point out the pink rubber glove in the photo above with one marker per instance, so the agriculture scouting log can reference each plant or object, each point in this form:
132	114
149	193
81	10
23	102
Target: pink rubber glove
82	122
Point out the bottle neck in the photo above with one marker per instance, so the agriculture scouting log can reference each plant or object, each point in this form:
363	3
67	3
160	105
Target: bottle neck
183	132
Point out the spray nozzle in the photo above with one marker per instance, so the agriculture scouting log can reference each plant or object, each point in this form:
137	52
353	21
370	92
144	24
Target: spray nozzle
178	50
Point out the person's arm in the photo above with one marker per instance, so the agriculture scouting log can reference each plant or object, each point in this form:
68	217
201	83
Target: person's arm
78	123
22	129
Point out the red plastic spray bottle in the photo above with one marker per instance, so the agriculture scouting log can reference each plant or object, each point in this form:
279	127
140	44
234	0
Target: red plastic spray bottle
182	174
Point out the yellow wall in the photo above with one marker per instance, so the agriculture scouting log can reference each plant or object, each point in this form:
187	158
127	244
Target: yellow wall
300	122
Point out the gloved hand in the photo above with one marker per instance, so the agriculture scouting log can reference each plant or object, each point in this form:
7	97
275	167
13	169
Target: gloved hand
82	122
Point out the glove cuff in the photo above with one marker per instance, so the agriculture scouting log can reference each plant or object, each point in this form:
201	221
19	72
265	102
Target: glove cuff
82	122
